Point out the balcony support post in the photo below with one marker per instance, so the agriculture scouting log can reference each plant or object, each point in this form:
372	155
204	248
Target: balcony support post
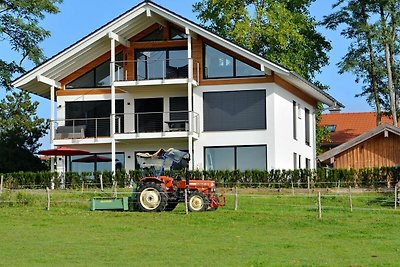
189	49
190	130
52	98
53	85
190	97
112	119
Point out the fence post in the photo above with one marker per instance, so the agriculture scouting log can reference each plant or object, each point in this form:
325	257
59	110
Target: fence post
186	201
395	197
292	188
308	183
114	188
236	198
350	200
52	182
1	184
319	206
101	182
48	198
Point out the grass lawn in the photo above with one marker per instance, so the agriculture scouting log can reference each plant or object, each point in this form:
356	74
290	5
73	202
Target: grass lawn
272	230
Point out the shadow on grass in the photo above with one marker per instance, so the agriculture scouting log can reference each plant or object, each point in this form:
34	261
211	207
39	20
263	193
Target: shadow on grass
381	201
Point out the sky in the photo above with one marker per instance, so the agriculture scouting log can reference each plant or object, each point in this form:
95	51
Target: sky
77	18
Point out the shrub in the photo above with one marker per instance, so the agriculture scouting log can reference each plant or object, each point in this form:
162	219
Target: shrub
374	178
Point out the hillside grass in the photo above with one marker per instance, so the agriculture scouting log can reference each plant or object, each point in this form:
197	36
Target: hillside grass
266	230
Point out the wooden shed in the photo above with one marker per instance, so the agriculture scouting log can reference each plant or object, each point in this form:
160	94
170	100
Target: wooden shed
376	148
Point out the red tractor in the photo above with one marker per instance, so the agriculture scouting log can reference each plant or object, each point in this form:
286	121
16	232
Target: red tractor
159	192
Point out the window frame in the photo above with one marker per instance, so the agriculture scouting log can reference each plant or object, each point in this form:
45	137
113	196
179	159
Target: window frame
70	160
307	126
308	163
235	147
264	126
94	85
171	28
294	120
234	76
167	59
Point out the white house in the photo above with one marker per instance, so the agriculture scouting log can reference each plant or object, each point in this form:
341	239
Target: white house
151	78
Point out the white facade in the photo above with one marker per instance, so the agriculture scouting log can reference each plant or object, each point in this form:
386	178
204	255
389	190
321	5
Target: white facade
123	134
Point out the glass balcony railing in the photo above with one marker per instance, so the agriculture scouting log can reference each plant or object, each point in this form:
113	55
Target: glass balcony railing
157	69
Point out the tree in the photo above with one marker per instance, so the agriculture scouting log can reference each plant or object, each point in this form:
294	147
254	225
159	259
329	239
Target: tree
279	30
372	26
20	131
20	128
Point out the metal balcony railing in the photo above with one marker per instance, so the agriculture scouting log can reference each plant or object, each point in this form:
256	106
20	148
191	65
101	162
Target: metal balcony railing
86	127
157	69
152	122
143	122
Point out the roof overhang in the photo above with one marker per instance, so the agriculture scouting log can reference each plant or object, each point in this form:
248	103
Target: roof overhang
131	23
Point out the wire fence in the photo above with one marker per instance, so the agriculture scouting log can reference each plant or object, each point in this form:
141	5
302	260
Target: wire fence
238	198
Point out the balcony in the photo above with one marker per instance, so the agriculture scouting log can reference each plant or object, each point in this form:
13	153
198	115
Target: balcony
156	72
129	126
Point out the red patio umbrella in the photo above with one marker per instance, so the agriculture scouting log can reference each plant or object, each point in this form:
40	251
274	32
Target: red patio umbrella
63	151
93	158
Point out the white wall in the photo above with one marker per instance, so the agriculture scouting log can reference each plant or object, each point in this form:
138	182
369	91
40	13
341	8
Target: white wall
229	138
278	137
279	133
285	144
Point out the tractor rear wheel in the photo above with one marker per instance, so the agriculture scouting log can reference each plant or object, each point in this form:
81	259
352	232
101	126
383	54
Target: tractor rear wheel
152	197
198	202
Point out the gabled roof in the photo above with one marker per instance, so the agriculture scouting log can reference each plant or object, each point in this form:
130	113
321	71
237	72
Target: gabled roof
350	125
360	139
131	23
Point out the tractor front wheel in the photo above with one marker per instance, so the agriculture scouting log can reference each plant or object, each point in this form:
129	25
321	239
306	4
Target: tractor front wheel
198	202
152	197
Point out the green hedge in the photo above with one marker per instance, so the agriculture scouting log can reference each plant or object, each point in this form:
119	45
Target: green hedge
374	177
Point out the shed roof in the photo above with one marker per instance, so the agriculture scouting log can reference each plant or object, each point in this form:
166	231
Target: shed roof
357	140
350	125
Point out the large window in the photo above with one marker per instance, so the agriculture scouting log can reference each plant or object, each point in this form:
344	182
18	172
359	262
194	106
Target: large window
161	63
234	110
149	115
218	64
175	34
294	120
100	163
95	115
307	125
156	35
236	158
97	77
178	107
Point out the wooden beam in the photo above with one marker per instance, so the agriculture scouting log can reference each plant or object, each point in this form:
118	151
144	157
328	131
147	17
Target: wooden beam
158	19
119	39
51	82
265	70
